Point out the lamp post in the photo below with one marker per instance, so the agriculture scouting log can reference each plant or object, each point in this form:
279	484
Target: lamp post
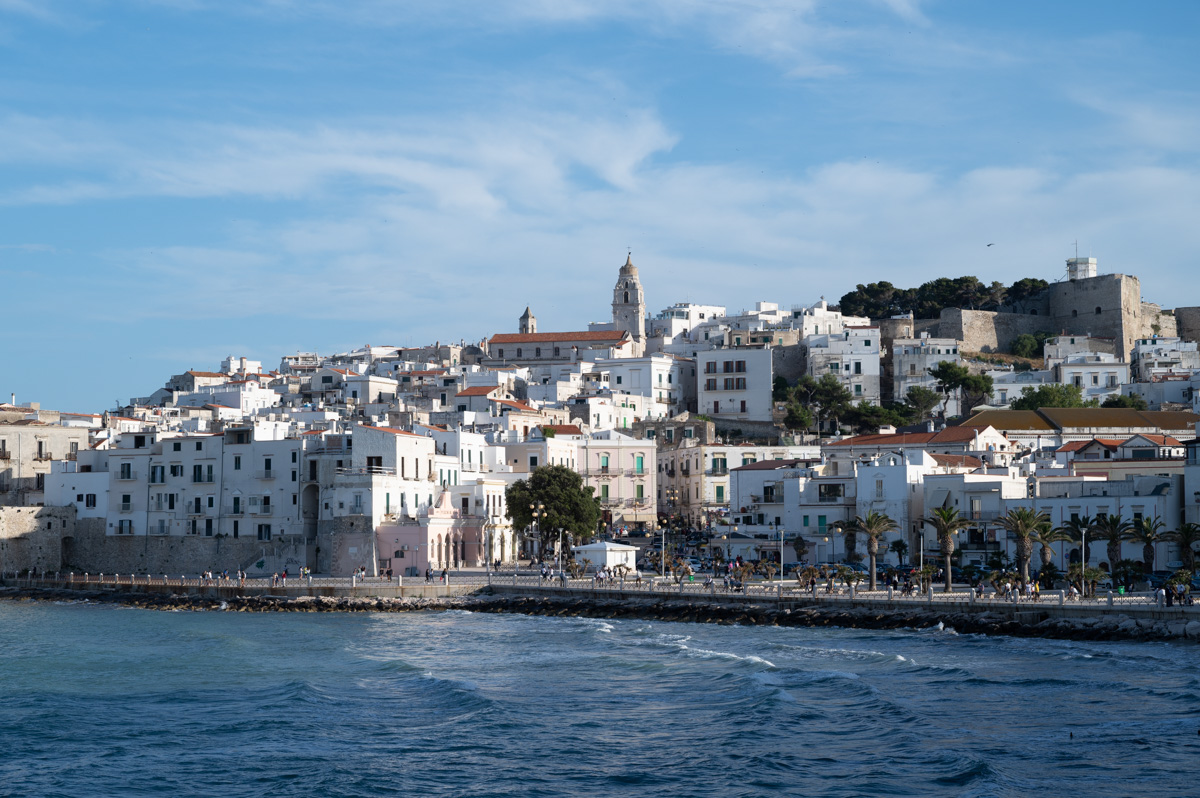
537	511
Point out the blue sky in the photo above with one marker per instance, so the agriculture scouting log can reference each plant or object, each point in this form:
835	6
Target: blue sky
183	179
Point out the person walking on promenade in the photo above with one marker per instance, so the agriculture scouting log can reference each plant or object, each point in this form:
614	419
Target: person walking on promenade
445	575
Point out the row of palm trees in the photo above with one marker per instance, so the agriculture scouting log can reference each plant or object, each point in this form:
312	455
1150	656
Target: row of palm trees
1032	527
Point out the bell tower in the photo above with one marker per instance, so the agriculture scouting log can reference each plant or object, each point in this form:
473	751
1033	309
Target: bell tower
527	323
629	306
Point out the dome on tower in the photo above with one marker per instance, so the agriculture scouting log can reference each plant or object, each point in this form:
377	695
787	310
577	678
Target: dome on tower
629	270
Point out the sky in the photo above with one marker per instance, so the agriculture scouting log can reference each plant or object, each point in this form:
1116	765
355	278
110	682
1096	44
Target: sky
181	180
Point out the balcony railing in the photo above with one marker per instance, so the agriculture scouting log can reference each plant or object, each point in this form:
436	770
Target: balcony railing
126	507
717	472
202	479
127	476
43	456
830	499
262	509
266	473
235	509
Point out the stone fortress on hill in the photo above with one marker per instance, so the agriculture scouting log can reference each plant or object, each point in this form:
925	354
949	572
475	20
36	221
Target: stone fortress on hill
1086	303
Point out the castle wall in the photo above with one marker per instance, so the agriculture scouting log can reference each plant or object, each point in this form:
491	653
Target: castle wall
31	537
1108	306
988	331
1187	323
789	362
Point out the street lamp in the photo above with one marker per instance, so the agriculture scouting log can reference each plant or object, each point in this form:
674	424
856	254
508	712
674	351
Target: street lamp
537	511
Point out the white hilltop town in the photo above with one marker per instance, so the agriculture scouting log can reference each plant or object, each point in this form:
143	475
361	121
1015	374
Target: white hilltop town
756	433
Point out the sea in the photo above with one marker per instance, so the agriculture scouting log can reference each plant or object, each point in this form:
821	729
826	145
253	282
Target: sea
100	700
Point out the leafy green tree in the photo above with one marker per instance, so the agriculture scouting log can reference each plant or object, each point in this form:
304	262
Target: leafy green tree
1024	345
923	401
827	398
780	390
1020	292
1131	401
800	546
567	503
1051	396
874	527
946	522
976	389
1023	523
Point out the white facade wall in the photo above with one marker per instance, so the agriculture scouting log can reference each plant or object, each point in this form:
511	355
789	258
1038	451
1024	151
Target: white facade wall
735	383
852	356
912	358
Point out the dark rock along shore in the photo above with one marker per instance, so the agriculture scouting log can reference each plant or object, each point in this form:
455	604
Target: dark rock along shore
1107	627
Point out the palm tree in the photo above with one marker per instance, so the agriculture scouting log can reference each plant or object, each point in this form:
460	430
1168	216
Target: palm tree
1045	536
1078	529
1187	536
1148	531
946	522
1023	522
1112	529
874	526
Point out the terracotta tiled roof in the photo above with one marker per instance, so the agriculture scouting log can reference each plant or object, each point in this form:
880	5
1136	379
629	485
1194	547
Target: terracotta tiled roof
478	390
947	435
208	374
597	336
957	460
563	429
515	405
1011	419
1157	440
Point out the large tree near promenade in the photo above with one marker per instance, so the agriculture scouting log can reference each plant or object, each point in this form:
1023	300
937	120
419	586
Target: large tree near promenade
945	522
874	527
1023	523
567	504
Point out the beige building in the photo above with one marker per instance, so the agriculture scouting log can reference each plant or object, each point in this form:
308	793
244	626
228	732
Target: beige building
26	450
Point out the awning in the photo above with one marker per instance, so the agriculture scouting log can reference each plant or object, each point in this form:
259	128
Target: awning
939	498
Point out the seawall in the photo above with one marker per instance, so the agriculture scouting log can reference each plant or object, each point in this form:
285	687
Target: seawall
1025	621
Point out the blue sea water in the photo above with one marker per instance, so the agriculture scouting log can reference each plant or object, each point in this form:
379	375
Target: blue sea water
106	700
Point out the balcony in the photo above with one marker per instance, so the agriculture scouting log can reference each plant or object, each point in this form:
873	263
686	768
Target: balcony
72	455
830	499
43	456
126	507
160	528
266	473
236	509
126	476
202	479
717	472
5	454
262	509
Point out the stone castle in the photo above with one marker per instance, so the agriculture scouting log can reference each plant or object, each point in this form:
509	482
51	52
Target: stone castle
1086	303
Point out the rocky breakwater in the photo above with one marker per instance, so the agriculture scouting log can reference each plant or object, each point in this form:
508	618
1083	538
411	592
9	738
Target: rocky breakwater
1029	624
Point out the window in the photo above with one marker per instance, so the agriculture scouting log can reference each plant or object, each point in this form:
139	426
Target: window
710	367
176	470
639	464
556	351
740	383
533	461
1098	311
235	529
537	351
618	379
199	446
176	446
89	500
499	353
264	531
639	491
729	383
208	527
158	475
740	366
710	385
858	367
604	491
743	410
125	527
727	366
518	351
237	462
720	493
